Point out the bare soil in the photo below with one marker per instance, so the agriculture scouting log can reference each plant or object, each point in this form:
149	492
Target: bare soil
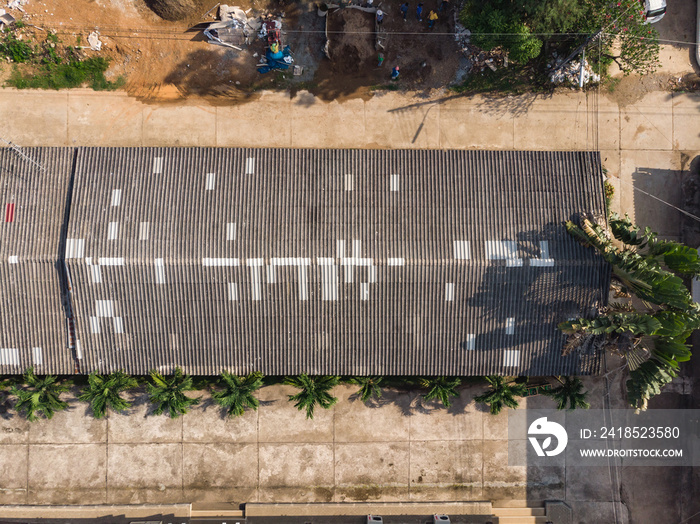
626	90
169	60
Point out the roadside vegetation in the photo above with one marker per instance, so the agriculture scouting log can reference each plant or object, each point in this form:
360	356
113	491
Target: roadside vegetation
50	65
536	34
37	397
654	314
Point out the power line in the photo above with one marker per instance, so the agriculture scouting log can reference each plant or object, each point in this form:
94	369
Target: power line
662	40
104	30
67	29
690	215
172	35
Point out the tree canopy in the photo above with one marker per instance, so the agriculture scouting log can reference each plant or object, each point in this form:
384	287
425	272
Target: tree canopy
651	338
523	28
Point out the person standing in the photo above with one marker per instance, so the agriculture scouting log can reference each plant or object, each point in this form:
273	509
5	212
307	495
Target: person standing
432	17
380	16
395	73
419	12
404	10
444	5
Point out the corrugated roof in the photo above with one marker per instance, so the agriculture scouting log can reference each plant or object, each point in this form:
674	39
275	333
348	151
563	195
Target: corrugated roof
34	187
331	261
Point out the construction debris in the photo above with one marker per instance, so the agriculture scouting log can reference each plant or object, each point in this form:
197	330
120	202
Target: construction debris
6	19
571	72
94	41
16	4
210	10
462	34
479	60
233	29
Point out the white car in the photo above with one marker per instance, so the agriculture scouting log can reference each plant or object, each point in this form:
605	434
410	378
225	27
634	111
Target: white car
654	10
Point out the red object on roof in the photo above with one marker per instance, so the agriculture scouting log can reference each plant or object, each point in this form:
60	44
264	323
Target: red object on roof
10	213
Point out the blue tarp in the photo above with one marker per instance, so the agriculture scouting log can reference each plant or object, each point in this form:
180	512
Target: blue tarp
275	60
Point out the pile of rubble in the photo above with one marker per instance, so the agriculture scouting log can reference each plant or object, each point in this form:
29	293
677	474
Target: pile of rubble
462	34
571	72
233	29
480	60
477	58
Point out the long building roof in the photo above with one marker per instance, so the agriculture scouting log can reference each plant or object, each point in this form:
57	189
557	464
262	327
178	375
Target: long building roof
329	261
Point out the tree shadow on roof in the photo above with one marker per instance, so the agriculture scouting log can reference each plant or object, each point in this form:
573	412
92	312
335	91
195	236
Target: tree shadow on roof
520	306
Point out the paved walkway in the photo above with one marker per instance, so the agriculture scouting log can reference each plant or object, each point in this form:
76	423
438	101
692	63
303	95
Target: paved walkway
660	121
398	450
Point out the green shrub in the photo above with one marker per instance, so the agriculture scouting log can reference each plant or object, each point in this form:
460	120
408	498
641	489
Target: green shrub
74	73
17	50
493	27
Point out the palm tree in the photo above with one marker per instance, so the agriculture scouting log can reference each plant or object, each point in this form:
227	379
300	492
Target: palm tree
104	392
169	393
569	394
502	394
40	395
314	390
440	388
646	381
370	387
237	394
652	340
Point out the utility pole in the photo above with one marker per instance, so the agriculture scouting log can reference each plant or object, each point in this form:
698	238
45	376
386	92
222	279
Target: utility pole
578	50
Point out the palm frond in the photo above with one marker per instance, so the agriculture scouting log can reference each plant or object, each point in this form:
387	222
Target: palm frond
501	393
441	389
313	391
237	394
569	394
39	396
168	394
103	392
370	387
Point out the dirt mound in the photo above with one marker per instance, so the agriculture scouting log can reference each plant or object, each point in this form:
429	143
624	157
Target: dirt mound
172	10
352	41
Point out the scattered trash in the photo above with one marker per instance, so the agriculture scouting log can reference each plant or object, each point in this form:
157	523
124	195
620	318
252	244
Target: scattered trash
6	19
478	60
17	4
233	29
94	41
571	72
298	70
